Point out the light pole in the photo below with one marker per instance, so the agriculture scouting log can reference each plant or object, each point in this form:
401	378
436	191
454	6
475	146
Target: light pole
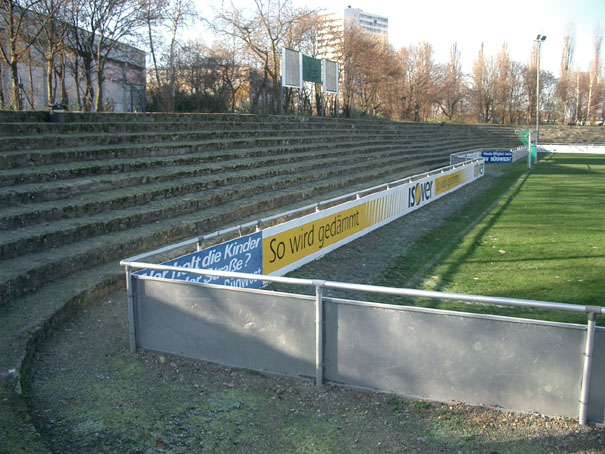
539	39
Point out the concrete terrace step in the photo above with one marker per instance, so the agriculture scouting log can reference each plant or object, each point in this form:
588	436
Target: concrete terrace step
16	159
161	133
75	121
49	185
20	196
75	224
88	130
28	271
62	140
118	127
65	169
593	135
11	160
54	174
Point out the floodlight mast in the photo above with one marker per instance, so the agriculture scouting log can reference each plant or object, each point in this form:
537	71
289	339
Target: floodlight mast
539	39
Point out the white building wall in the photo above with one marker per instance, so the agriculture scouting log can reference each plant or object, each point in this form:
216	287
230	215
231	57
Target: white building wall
372	23
123	88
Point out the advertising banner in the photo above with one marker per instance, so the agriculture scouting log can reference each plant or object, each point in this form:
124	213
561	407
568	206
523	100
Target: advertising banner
494	157
290	245
330	76
291	63
311	69
242	255
284	247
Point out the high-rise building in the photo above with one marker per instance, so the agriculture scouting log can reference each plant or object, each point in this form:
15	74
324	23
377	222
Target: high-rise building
372	23
330	37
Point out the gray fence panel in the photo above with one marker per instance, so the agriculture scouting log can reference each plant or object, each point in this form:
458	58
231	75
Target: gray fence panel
519	365
256	330
596	407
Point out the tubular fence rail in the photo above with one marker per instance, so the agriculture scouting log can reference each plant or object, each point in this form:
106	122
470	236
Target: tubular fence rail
515	153
259	224
206	322
320	285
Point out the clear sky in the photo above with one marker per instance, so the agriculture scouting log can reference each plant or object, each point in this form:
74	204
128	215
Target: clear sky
471	22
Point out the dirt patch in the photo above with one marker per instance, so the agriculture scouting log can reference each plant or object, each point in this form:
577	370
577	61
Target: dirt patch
89	394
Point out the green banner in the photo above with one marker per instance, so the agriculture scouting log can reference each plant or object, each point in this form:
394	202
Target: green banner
311	69
523	136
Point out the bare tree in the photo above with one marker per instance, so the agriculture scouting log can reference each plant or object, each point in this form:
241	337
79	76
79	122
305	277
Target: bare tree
51	44
179	12
594	88
233	75
152	11
451	85
565	82
98	28
368	65
483	87
263	31
548	85
502	83
423	81
582	90
516	96
530	76
18	32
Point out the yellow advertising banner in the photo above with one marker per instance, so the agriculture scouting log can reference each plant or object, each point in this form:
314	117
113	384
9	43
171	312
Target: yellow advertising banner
292	245
447	182
289	245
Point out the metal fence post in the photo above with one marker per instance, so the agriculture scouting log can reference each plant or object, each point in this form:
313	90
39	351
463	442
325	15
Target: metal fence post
587	370
529	150
131	321
319	322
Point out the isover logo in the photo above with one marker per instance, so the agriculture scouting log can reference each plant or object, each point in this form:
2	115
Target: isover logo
479	169
419	193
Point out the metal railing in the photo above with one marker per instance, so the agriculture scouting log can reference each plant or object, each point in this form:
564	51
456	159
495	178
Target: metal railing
269	221
463	156
320	285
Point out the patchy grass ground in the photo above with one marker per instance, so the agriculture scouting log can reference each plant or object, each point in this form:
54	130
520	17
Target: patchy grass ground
544	240
89	394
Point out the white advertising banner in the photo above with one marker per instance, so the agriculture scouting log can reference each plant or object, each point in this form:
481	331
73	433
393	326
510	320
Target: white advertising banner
291	65
330	76
290	245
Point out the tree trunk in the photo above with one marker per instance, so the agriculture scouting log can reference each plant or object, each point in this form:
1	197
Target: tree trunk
63	90
99	93
77	82
88	92
171	105
16	89
2	101
153	57
50	90
100	78
32	98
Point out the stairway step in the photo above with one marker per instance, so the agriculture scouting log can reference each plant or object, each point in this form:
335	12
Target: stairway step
57	190
32	237
29	271
14	159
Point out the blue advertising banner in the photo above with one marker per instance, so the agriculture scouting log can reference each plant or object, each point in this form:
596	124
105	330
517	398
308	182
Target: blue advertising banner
241	255
494	157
